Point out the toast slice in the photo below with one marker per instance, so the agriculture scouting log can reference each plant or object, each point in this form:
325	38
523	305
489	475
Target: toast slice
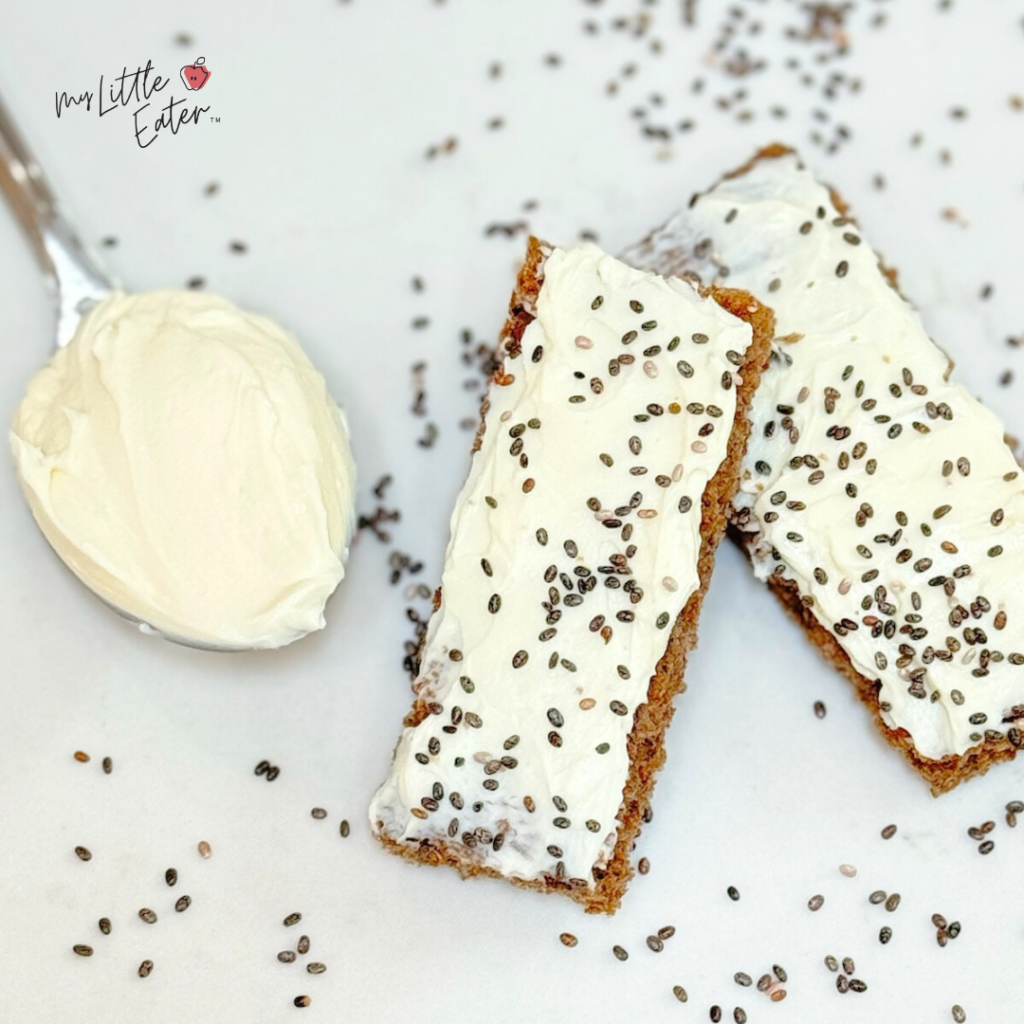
581	547
879	499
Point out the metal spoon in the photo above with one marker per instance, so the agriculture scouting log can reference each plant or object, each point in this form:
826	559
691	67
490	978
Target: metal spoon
76	277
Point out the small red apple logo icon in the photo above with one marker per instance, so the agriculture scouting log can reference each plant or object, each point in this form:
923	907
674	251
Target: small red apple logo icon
195	76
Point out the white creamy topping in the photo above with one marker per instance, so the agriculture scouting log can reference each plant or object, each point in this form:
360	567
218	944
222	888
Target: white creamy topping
885	492
573	548
186	461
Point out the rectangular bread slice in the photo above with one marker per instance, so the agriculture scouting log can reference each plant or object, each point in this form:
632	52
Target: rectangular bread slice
879	498
581	547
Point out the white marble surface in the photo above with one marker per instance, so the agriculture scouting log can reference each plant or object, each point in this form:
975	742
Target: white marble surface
326	110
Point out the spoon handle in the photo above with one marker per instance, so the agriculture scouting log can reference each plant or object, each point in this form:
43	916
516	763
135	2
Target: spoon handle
77	277
23	183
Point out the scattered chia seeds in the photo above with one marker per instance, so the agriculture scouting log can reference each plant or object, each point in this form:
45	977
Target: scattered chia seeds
303	944
145	968
372	523
568	939
83	950
292	919
147	915
824	23
171	877
816	902
82	853
620	953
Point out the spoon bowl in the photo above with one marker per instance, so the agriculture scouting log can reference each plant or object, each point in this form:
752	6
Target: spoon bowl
75	276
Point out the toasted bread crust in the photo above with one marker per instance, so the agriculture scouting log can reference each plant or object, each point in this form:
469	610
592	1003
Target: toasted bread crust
942	774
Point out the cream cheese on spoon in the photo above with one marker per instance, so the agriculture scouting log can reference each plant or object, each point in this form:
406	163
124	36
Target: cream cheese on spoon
186	461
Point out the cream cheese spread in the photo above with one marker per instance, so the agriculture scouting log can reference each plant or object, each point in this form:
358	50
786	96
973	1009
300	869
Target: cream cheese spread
573	548
883	490
185	460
